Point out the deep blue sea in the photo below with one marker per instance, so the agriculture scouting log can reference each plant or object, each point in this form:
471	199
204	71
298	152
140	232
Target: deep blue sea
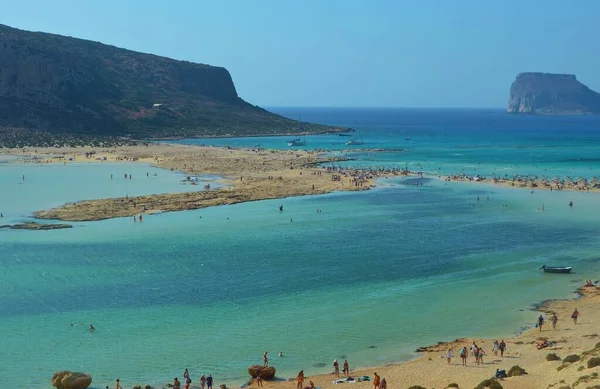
210	290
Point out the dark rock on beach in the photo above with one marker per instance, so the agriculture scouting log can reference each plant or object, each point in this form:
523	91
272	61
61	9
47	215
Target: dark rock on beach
71	380
552	94
267	373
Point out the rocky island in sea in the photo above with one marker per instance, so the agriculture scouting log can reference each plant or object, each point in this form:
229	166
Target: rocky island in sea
552	94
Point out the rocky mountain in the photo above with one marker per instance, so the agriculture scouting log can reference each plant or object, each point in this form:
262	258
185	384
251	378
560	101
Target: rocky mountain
552	94
62	85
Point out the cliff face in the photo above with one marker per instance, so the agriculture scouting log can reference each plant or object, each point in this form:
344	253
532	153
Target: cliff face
59	84
551	94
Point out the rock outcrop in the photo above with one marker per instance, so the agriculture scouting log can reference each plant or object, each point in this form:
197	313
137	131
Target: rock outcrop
71	380
62	85
267	373
552	94
35	226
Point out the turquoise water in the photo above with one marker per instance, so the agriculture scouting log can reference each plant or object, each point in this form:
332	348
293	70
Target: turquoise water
396	267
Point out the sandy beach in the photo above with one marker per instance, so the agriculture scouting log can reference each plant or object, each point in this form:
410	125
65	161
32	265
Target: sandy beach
431	369
248	175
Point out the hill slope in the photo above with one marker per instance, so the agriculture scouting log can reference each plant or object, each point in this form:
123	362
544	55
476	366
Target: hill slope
61	85
551	94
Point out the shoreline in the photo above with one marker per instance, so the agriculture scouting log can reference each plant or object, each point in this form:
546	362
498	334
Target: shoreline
567	339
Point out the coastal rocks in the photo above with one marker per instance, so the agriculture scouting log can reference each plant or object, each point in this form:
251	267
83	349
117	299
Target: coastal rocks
71	380
267	373
551	94
35	226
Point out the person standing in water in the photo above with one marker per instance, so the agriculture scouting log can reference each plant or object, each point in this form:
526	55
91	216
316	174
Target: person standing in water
575	315
346	368
202	381
118	384
209	381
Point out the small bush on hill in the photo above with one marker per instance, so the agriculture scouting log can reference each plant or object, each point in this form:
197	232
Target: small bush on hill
516	371
489	384
571	358
552	357
593	362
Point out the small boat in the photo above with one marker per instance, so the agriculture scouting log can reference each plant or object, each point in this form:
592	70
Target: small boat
354	142
556	269
344	135
296	142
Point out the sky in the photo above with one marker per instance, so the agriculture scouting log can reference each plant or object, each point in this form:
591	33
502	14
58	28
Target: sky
344	53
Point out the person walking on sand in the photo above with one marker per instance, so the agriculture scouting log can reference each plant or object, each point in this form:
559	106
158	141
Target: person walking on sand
259	381
449	355
265	359
336	368
495	348
463	356
346	368
502	348
300	380
480	355
202	381
554	320
575	315
540	322
376	381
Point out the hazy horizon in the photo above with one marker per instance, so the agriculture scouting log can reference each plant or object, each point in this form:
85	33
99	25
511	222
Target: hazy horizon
403	54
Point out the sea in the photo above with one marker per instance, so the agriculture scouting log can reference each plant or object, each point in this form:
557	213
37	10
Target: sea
372	277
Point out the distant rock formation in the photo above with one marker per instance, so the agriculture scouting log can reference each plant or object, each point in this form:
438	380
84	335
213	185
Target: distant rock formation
52	84
552	94
71	380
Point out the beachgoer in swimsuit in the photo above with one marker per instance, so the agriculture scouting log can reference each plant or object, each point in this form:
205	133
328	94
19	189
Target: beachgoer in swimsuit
265	360
209	381
300	380
346	368
176	384
118	384
92	328
186	374
554	320
202	381
311	385
495	348
376	381
540	322
575	315
281	353
463	356
336	368
449	355
383	384
502	348
259	381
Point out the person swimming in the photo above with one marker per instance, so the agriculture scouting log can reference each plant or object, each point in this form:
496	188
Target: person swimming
92	329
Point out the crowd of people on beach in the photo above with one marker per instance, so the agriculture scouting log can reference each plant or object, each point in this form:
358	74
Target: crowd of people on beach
206	382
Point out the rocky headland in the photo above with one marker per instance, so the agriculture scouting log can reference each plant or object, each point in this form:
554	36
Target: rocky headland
552	94
55	88
34	226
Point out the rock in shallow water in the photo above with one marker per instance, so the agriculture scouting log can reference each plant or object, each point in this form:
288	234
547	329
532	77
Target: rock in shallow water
267	373
71	380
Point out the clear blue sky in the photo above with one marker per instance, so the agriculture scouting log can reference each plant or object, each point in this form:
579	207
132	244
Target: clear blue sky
344	52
